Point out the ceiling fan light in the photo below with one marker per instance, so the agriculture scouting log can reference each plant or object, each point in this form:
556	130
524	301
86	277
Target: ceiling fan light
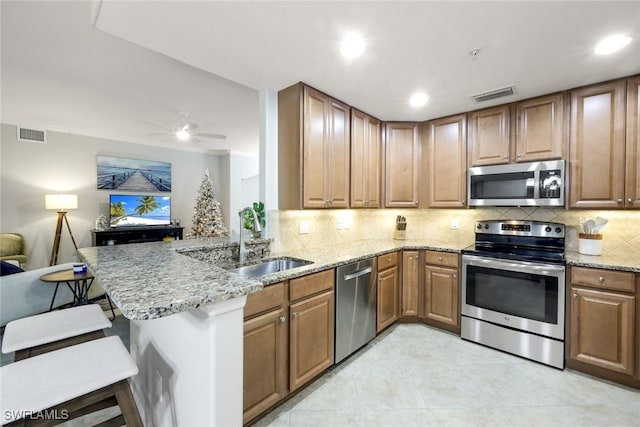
182	135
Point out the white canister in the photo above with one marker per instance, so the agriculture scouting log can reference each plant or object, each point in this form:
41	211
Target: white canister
590	244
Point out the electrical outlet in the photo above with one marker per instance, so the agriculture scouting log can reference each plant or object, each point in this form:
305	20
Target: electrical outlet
455	224
341	224
304	227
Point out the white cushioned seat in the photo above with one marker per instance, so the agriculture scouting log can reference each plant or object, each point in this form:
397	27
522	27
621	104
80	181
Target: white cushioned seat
53	326
44	381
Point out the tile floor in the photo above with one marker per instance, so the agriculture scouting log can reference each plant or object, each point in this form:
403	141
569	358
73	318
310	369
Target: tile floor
415	375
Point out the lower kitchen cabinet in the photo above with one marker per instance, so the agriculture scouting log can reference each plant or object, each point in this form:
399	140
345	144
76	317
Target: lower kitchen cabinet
410	283
265	364
603	325
388	310
442	290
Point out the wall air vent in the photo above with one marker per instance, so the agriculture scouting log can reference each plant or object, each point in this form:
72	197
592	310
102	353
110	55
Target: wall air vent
493	94
32	135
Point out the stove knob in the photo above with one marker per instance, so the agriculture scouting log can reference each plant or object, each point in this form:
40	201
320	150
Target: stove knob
479	226
558	230
486	226
547	229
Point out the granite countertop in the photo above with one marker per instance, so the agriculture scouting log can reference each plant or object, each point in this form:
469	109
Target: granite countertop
152	280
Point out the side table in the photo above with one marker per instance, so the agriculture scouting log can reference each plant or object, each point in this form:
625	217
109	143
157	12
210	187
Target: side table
81	284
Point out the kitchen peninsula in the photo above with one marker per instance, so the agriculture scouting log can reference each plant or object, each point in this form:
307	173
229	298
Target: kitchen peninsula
187	316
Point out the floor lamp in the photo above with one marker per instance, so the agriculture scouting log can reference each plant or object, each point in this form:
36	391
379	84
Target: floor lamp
61	203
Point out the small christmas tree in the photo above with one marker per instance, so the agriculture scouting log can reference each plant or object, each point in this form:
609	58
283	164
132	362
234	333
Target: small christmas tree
207	215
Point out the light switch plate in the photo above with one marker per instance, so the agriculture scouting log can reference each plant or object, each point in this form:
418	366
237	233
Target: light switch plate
455	224
304	227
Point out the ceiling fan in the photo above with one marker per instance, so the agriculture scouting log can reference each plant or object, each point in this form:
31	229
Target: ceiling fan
186	132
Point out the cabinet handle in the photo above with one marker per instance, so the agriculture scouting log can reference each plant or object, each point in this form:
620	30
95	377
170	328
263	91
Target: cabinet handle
388	259
574	295
518	155
601	279
630	200
505	157
439	258
283	319
416	203
295	314
620	201
455	276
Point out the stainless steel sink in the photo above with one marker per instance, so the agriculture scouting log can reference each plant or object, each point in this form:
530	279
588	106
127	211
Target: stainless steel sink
270	266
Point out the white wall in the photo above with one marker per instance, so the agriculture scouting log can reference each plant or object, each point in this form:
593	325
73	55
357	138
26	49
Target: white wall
67	163
241	172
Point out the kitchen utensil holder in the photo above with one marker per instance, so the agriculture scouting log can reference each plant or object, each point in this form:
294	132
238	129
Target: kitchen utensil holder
590	244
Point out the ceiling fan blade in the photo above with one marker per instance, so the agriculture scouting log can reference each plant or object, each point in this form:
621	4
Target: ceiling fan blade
158	134
190	127
158	126
195	140
212	135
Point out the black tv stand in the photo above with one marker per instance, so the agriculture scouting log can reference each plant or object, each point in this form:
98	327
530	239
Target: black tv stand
119	236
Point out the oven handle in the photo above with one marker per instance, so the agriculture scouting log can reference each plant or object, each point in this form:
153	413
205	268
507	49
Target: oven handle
526	266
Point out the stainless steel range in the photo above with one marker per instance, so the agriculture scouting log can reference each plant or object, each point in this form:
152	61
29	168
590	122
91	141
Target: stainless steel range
513	289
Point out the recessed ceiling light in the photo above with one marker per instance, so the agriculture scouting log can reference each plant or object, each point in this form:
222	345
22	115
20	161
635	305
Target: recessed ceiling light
352	46
418	99
612	44
182	135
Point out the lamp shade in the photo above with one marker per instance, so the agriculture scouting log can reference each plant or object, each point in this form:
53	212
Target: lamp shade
61	202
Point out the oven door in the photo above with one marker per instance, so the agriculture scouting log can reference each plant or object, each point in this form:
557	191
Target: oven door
527	296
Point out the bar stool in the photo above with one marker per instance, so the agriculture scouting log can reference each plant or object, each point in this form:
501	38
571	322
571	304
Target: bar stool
68	383
38	334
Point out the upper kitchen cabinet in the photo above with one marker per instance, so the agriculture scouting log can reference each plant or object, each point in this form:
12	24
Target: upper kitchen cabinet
447	162
489	136
632	171
313	149
402	165
540	130
597	146
535	132
366	160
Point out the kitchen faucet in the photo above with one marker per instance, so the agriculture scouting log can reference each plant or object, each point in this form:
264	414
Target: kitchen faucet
242	251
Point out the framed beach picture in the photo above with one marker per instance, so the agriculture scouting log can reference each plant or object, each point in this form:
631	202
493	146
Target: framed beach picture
116	173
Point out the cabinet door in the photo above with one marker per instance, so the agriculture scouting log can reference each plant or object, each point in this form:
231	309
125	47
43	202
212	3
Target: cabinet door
402	155
366	147
447	157
489	136
540	128
316	129
441	290
410	281
311	336
602	329
596	146
387	305
338	155
265	362
632	172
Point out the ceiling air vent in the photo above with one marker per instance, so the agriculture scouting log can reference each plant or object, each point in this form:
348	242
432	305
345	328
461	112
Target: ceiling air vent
493	94
32	135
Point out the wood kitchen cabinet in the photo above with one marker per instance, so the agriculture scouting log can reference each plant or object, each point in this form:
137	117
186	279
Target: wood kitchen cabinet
442	290
366	160
632	145
314	152
597	146
603	326
402	165
489	136
266	354
312	330
410	283
526	131
447	162
388	307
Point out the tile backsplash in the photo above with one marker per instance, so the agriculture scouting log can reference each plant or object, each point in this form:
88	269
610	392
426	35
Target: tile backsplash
621	235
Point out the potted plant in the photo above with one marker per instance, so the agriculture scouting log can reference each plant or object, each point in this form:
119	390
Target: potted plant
258	207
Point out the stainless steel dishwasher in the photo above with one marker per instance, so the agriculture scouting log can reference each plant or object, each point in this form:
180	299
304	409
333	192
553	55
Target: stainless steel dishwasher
355	307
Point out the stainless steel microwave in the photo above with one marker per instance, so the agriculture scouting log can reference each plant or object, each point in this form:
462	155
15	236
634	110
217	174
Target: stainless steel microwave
519	184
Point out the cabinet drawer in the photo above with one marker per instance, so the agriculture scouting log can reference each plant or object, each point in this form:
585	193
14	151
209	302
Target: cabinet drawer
269	297
312	284
387	260
605	279
446	259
